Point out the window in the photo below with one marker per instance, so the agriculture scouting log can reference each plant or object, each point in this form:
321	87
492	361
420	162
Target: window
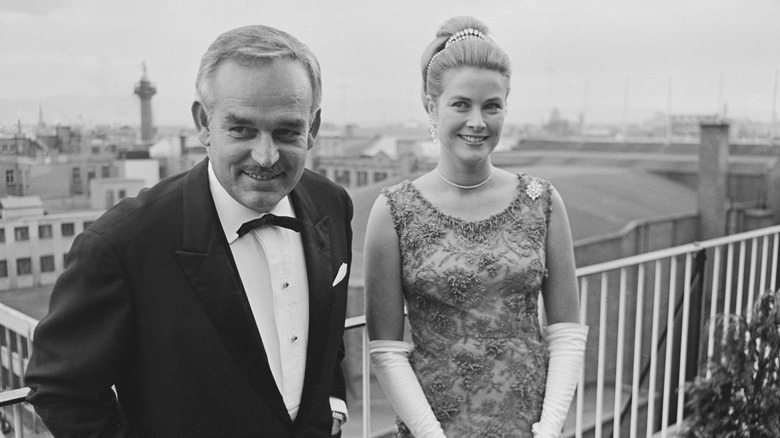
21	234
87	224
2	235
47	263
65	260
10	178
379	176
122	194
76	175
44	231
105	171
342	177
362	178
95	150
68	229
24	266
3	268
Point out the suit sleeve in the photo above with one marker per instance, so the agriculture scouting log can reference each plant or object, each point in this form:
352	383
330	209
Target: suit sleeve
339	384
79	347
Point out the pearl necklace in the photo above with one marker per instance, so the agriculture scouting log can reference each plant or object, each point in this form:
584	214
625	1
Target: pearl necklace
462	186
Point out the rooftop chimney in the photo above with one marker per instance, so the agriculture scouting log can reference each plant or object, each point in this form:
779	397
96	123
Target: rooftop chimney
713	171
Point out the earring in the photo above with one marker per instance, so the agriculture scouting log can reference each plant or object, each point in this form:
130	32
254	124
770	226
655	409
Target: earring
433	129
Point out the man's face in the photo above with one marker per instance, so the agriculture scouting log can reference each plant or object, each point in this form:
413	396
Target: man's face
258	132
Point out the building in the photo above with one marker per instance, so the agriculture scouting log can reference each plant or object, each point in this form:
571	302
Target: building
34	244
354	162
17	153
177	154
104	193
60	139
20	145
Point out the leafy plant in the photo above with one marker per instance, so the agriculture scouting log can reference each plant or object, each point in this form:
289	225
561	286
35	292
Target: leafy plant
741	398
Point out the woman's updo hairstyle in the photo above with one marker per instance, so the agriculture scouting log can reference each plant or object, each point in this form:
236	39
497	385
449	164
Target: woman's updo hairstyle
460	42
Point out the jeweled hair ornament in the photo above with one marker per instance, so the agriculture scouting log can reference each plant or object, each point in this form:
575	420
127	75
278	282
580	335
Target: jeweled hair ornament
464	34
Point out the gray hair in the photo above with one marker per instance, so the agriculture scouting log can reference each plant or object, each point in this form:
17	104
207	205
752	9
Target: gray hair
250	44
439	57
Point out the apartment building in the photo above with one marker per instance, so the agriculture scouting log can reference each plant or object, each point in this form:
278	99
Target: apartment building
34	244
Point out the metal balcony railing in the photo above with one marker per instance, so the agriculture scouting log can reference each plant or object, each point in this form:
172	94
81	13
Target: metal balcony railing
651	318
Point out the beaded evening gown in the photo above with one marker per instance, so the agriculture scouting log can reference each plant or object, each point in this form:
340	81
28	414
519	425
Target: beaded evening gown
471	290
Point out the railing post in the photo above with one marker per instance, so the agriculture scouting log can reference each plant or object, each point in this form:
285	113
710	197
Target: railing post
366	385
581	384
18	425
698	308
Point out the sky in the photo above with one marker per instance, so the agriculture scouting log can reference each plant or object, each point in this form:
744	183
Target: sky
607	60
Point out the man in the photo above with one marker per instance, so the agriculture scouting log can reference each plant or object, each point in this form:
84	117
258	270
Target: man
205	327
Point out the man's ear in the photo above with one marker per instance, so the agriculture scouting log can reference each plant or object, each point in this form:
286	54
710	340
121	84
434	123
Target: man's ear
201	120
315	128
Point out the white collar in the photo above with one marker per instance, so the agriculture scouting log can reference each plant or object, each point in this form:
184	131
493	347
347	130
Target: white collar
232	214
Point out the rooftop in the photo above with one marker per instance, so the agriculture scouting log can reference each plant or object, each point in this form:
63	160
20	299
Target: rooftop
12	202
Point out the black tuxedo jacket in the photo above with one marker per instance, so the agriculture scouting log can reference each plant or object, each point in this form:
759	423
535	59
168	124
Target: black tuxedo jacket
151	303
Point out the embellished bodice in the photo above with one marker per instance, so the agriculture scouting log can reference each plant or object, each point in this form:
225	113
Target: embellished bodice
471	290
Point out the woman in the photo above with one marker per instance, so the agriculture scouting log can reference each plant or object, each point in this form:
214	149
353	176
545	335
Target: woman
468	248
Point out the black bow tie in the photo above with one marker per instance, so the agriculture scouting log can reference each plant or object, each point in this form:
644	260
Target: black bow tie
270	219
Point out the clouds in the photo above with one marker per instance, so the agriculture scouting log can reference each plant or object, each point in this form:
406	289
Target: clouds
35	8
570	54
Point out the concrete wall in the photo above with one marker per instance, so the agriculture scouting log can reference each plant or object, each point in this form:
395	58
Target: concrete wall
56	179
147	170
636	238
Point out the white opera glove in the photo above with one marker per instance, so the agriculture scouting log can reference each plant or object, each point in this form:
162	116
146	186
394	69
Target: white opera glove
566	344
391	366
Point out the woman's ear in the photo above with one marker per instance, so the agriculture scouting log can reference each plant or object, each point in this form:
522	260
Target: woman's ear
431	104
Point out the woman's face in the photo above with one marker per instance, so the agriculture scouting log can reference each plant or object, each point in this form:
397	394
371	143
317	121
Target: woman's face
470	112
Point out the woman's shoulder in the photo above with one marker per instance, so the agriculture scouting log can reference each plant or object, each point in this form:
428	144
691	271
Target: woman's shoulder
527	178
402	188
534	186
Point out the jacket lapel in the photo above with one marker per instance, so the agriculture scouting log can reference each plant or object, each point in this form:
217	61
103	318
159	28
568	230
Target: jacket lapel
316	246
206	260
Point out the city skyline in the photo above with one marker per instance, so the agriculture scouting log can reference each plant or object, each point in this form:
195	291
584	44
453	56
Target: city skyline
611	61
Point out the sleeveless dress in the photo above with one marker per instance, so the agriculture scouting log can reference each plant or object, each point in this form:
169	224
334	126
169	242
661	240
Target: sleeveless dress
471	290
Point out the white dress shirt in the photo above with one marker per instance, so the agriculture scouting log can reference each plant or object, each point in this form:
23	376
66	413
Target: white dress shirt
272	267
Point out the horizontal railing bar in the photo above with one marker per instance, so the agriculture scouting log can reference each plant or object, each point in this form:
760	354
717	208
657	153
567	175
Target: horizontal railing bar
17	321
13	396
355	322
675	251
